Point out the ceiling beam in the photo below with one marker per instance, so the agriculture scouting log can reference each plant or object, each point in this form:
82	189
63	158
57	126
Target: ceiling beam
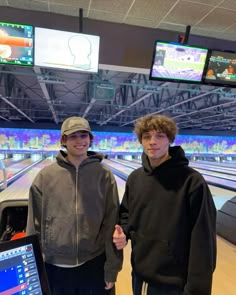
5	119
16	108
175	105
129	106
93	100
46	94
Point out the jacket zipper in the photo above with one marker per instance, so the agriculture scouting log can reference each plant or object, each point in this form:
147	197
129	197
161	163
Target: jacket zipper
76	212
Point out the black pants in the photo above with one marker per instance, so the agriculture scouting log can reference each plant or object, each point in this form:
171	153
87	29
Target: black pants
141	288
87	279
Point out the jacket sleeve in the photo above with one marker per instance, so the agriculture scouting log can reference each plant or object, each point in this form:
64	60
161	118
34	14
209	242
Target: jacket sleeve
114	257
124	212
34	209
202	254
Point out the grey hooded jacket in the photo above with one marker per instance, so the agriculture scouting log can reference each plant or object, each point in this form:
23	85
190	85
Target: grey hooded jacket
74	212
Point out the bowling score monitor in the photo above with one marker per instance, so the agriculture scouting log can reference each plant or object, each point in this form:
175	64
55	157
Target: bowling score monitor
22	269
177	62
16	44
221	68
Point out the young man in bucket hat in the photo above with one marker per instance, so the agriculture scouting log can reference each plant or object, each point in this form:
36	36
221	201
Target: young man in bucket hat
73	207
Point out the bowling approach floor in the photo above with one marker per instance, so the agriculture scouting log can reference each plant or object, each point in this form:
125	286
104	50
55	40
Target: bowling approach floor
225	273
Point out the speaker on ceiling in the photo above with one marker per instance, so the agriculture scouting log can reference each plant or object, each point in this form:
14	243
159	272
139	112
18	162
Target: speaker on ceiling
104	92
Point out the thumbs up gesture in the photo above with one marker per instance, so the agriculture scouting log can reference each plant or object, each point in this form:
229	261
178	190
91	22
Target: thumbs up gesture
119	238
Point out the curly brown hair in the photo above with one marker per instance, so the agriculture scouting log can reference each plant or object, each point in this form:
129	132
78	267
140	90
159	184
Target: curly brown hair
160	123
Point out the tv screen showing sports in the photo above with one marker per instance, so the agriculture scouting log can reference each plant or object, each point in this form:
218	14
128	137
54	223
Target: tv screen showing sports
16	44
66	50
221	68
178	62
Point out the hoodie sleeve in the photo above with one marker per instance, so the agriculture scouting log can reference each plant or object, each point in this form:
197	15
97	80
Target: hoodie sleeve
124	212
202	255
114	257
34	208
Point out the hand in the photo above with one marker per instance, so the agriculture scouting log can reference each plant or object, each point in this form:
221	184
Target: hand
119	238
109	285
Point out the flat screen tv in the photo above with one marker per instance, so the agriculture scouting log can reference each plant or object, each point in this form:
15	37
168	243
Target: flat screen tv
16	44
66	50
178	62
22	269
221	68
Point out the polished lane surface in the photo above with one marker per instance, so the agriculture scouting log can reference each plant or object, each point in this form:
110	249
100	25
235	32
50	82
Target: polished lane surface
16	167
20	188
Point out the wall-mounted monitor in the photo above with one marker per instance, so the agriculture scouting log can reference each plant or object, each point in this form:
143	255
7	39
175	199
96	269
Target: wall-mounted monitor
178	62
16	44
66	50
22	269
221	68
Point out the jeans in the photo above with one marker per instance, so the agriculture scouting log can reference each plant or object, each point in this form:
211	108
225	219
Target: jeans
86	279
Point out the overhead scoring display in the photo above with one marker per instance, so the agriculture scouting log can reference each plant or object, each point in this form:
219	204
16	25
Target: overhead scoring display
221	68
178	62
26	45
16	44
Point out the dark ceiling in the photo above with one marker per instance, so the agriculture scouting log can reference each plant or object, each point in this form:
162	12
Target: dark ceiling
26	96
116	96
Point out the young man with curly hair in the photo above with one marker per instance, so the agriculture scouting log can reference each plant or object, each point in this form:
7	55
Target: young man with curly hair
169	215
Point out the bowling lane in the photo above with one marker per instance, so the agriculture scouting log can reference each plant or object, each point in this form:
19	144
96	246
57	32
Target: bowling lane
225	182
8	161
220	195
225	164
118	167
216	168
20	188
221	171
224	179
14	167
130	164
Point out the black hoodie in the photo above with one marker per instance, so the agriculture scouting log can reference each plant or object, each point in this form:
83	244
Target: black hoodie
169	215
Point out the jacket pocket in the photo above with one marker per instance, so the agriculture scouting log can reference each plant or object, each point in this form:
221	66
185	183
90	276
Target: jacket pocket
60	235
151	256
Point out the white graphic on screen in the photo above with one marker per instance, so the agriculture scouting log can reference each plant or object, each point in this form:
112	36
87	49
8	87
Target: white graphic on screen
81	49
66	50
